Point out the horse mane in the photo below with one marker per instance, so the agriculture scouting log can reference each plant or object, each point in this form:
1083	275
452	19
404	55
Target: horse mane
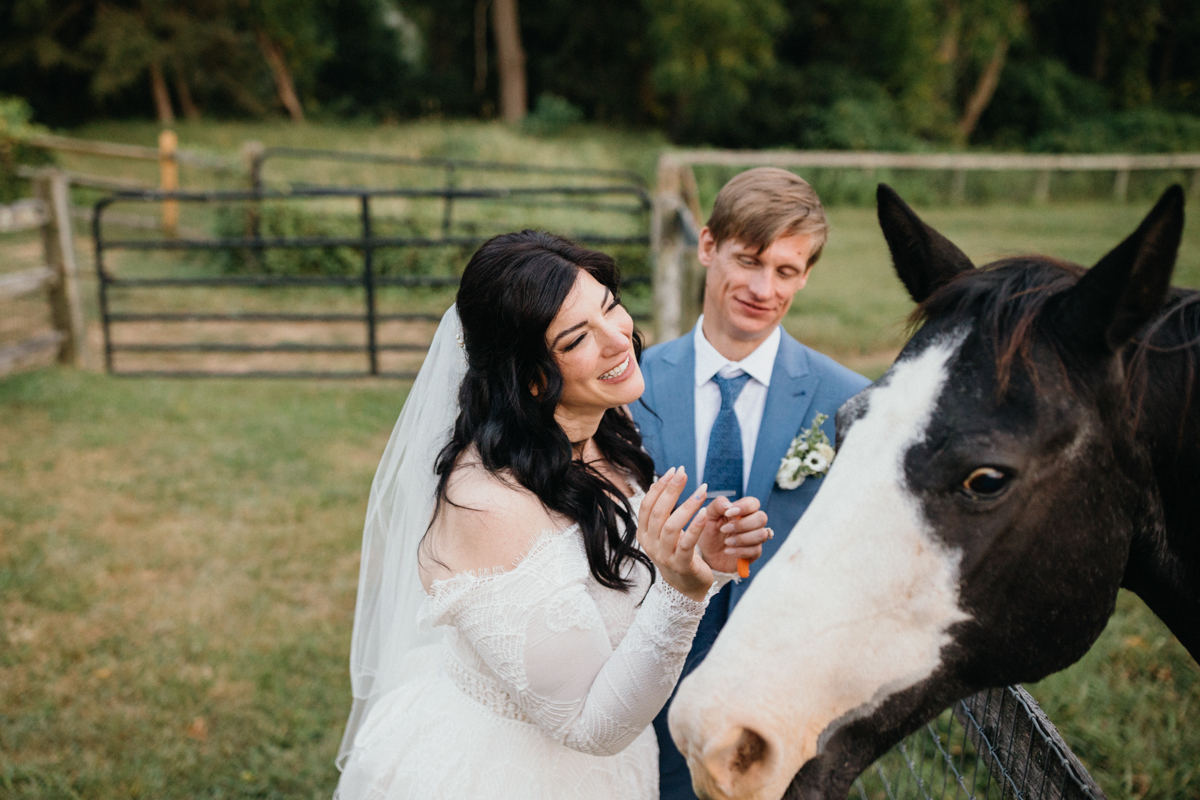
1009	296
1174	332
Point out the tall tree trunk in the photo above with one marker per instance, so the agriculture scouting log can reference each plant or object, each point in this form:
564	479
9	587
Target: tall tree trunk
1166	64
510	59
162	98
481	55
984	89
184	92
948	48
1100	50
283	76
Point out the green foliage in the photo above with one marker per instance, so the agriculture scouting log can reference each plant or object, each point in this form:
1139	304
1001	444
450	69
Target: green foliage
736	73
710	52
16	124
1141	130
552	115
282	221
1042	105
850	112
1040	95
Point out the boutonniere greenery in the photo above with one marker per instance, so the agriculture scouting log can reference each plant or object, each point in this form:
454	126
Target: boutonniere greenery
810	454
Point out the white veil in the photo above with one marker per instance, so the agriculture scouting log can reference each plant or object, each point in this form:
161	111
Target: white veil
387	649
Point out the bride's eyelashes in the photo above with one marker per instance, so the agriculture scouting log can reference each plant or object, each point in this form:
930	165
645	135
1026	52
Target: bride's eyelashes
616	302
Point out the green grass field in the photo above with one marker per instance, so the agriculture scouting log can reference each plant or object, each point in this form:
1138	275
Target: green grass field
178	559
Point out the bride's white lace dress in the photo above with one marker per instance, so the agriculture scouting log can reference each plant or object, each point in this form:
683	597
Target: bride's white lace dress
547	686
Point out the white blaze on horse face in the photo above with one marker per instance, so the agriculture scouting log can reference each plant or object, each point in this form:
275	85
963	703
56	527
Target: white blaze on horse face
854	607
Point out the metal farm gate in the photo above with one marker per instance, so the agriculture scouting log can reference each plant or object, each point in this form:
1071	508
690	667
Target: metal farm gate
234	292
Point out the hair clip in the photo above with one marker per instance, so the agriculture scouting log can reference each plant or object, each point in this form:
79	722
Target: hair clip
458	337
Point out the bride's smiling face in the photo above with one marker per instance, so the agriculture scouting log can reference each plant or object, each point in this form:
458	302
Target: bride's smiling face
591	339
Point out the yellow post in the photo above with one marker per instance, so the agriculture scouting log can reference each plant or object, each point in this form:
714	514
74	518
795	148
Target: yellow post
168	168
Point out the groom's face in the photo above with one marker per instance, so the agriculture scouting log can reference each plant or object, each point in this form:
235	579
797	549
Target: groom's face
748	292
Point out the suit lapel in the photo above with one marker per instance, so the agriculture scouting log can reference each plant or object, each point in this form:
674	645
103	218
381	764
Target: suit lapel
675	392
793	387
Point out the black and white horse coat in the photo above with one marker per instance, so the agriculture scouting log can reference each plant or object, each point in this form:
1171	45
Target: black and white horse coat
1034	448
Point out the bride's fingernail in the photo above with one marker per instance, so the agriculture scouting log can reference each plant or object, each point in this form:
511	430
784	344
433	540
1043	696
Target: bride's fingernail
728	551
730	541
727	528
703	490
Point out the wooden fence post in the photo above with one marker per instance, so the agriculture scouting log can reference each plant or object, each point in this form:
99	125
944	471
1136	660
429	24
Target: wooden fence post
1121	185
58	245
252	153
678	278
168	167
958	186
1041	188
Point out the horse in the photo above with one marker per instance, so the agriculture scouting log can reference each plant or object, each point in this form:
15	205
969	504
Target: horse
1034	447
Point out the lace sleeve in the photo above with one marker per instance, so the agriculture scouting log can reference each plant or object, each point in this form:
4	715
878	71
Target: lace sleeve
541	633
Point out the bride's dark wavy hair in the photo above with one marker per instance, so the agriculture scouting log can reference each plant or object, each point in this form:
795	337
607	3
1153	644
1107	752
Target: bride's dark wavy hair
511	290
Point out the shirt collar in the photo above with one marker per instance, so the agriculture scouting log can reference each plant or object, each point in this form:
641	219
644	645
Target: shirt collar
757	365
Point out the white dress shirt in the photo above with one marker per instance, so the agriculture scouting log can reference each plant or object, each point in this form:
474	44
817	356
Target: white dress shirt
750	403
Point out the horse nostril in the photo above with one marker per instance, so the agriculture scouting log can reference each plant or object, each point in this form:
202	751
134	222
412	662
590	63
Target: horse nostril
738	763
750	750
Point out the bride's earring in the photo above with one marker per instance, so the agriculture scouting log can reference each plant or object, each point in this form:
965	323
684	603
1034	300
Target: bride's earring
536	385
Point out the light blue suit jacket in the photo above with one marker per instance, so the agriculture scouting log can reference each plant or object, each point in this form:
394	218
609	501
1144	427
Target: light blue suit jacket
803	382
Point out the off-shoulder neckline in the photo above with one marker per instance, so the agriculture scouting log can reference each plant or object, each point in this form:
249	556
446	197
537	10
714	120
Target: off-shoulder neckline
489	574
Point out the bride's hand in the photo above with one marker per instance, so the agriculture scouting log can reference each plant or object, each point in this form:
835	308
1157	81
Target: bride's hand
669	540
733	531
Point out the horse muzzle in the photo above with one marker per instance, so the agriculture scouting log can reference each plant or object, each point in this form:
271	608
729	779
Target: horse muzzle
729	758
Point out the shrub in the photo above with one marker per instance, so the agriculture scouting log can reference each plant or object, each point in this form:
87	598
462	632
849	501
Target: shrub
276	220
846	111
288	221
1038	96
1142	130
15	127
552	115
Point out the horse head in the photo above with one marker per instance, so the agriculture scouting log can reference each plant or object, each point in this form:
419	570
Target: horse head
973	530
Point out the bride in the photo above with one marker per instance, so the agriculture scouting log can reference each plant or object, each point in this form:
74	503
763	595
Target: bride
528	590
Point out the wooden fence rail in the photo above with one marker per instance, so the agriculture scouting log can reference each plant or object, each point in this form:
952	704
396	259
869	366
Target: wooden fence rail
134	152
50	211
168	155
677	216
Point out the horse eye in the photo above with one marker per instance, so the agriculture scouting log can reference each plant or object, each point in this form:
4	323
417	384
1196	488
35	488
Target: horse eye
986	482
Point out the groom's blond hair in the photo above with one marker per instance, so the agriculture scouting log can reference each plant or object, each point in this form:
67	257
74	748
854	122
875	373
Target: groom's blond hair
758	206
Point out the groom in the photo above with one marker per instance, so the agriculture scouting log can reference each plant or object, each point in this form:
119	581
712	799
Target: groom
730	395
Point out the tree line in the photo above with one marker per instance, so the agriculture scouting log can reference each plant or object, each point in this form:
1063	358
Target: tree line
891	74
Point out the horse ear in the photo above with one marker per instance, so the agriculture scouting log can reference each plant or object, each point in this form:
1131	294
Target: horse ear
924	259
1127	287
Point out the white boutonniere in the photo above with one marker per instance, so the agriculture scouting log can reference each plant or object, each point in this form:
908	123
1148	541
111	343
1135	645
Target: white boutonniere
809	454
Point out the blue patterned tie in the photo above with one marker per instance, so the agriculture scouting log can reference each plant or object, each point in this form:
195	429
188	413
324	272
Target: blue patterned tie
723	464
722	473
